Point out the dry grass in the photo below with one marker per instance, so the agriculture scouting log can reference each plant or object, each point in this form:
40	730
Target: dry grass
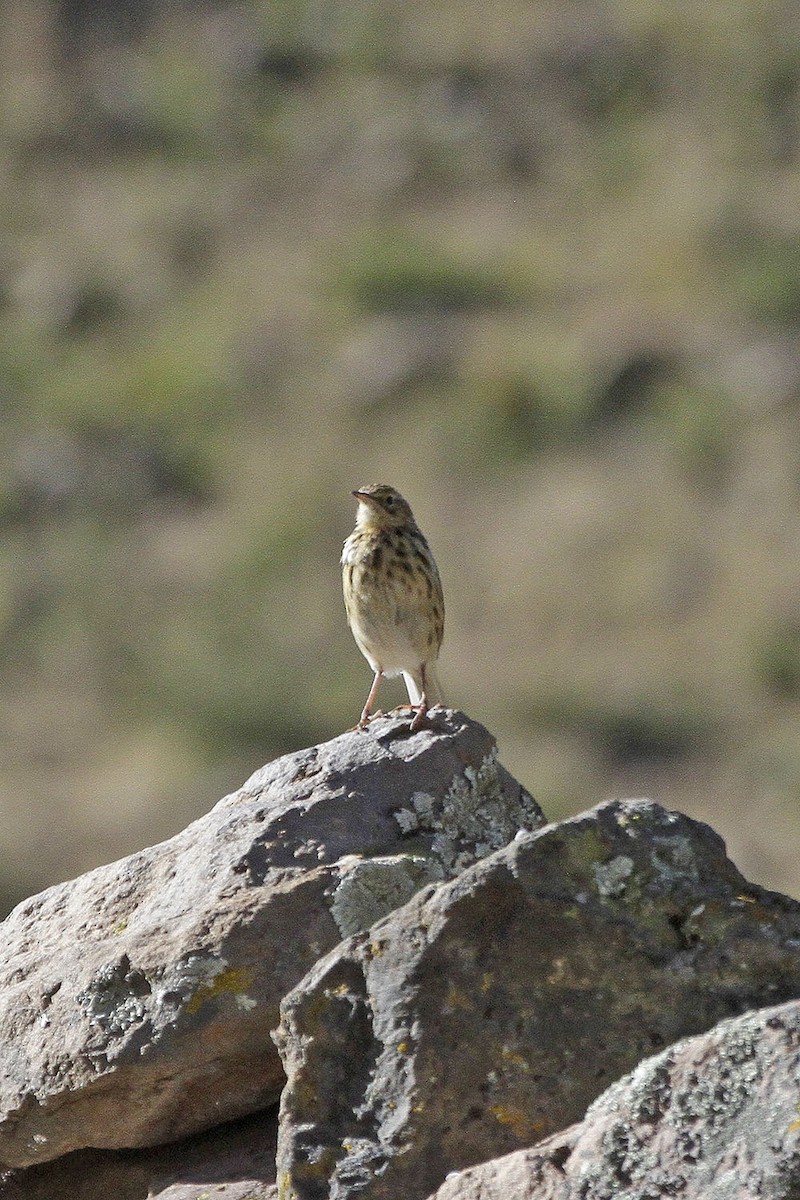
541	273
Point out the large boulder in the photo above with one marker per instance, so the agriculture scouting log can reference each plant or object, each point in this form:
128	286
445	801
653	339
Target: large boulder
136	1001
489	1011
714	1117
494	978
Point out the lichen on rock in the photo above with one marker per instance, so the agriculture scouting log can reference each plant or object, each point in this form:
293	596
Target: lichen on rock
474	817
370	888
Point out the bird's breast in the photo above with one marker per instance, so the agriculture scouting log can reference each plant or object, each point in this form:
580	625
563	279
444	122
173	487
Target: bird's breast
393	599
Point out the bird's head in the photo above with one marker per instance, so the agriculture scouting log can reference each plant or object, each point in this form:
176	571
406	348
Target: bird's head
382	507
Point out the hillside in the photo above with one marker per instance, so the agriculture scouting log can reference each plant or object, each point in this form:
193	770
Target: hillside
540	271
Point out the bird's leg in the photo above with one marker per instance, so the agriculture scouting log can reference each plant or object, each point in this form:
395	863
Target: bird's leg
373	691
422	710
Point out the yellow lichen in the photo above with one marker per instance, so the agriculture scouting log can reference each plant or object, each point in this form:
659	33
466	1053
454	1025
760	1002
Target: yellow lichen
341	989
457	999
517	1121
235	979
285	1189
515	1059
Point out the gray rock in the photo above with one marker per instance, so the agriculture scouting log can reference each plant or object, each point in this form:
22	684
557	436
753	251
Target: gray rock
534	1174
489	1012
233	1162
136	1001
715	1117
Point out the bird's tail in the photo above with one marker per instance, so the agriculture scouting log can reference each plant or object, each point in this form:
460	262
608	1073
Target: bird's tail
414	686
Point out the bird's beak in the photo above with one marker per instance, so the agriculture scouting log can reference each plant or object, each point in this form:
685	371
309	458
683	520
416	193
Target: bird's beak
363	497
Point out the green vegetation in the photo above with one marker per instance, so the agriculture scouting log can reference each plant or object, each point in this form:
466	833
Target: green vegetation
395	274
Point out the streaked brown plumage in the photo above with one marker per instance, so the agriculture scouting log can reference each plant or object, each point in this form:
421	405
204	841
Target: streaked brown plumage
393	597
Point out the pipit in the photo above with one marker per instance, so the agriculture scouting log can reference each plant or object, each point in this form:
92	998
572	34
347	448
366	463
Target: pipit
393	597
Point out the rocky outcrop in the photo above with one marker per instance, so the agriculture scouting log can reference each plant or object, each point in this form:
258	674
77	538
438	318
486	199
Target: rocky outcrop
489	1012
136	1002
232	1162
457	983
714	1117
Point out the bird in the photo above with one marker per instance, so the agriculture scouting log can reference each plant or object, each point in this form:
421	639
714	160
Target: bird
393	598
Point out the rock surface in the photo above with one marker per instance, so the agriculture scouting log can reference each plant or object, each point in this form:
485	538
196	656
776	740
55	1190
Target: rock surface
233	1162
714	1117
454	1024
490	1011
136	1001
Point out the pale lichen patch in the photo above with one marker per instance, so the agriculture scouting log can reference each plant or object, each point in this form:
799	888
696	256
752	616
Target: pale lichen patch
612	877
372	888
475	817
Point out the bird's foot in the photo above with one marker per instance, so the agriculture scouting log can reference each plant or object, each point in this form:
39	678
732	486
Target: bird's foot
420	720
365	720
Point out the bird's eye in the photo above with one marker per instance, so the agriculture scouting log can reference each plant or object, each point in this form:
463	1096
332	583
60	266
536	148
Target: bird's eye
389	501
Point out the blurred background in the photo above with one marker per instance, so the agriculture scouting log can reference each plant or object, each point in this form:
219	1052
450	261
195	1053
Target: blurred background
537	264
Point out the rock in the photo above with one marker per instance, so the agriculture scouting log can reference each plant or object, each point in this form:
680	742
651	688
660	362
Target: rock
495	977
233	1162
489	1012
136	1001
534	1174
714	1117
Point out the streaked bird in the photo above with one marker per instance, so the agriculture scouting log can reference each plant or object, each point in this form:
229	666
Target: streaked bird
393	597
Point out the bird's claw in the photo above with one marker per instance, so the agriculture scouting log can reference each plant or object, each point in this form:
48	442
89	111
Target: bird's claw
420	720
